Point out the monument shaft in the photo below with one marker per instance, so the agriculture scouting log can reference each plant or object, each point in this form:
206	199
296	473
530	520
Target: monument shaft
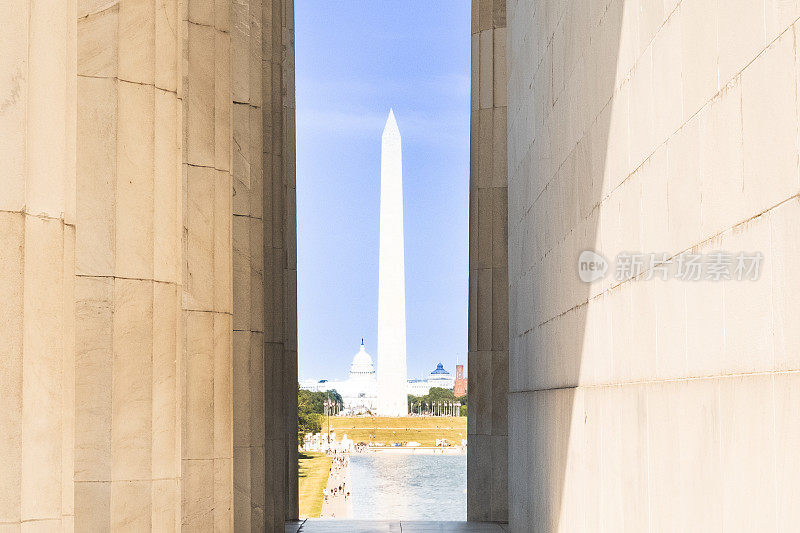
391	279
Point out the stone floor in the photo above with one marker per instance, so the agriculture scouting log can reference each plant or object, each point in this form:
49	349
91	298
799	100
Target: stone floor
382	526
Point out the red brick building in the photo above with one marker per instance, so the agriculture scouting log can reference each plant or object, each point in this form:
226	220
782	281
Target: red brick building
460	387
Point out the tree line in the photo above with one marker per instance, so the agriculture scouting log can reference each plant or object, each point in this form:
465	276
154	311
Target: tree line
436	395
311	410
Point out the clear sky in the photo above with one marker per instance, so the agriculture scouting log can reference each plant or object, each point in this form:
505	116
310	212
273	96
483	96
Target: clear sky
354	60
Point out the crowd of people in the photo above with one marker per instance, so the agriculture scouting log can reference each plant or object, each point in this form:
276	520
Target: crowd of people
337	482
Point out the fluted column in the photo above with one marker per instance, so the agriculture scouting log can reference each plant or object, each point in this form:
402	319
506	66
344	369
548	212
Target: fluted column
248	266
487	462
280	265
207	448
37	240
128	284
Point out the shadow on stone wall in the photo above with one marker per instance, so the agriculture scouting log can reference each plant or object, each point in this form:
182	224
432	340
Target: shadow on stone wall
565	123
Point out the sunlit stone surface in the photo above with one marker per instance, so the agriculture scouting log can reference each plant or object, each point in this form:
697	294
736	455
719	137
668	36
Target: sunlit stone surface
37	263
652	405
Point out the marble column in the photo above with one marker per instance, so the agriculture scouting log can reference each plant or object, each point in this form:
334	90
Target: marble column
128	277
280	264
207	380
37	242
487	462
248	266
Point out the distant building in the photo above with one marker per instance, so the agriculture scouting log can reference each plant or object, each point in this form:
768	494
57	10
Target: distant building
359	392
440	378
418	387
460	387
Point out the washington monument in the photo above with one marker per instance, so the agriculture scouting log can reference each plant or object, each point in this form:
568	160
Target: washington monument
392	399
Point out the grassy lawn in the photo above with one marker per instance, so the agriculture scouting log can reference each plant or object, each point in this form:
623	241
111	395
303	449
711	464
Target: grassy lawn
424	430
314	469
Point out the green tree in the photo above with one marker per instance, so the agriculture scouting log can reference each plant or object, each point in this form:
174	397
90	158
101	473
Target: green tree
308	423
310	410
438	394
316	400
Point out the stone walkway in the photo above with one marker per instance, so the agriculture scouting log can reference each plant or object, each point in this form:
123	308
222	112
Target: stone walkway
338	506
382	526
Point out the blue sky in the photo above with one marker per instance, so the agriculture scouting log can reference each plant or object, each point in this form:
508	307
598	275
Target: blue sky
354	60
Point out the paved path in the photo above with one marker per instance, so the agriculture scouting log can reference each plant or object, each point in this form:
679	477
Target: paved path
381	526
337	505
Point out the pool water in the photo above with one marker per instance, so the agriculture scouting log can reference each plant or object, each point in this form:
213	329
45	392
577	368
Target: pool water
408	487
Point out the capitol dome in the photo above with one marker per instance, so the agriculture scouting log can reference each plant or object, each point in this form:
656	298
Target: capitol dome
362	367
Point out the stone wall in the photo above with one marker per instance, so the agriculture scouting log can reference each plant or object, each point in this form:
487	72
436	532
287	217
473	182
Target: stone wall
652	127
487	462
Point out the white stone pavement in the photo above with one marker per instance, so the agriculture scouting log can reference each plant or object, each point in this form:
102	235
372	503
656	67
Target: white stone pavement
336	504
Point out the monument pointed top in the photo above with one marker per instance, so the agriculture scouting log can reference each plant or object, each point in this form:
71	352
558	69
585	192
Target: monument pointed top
391	128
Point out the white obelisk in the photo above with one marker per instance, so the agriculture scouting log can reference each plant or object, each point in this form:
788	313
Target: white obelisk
392	399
